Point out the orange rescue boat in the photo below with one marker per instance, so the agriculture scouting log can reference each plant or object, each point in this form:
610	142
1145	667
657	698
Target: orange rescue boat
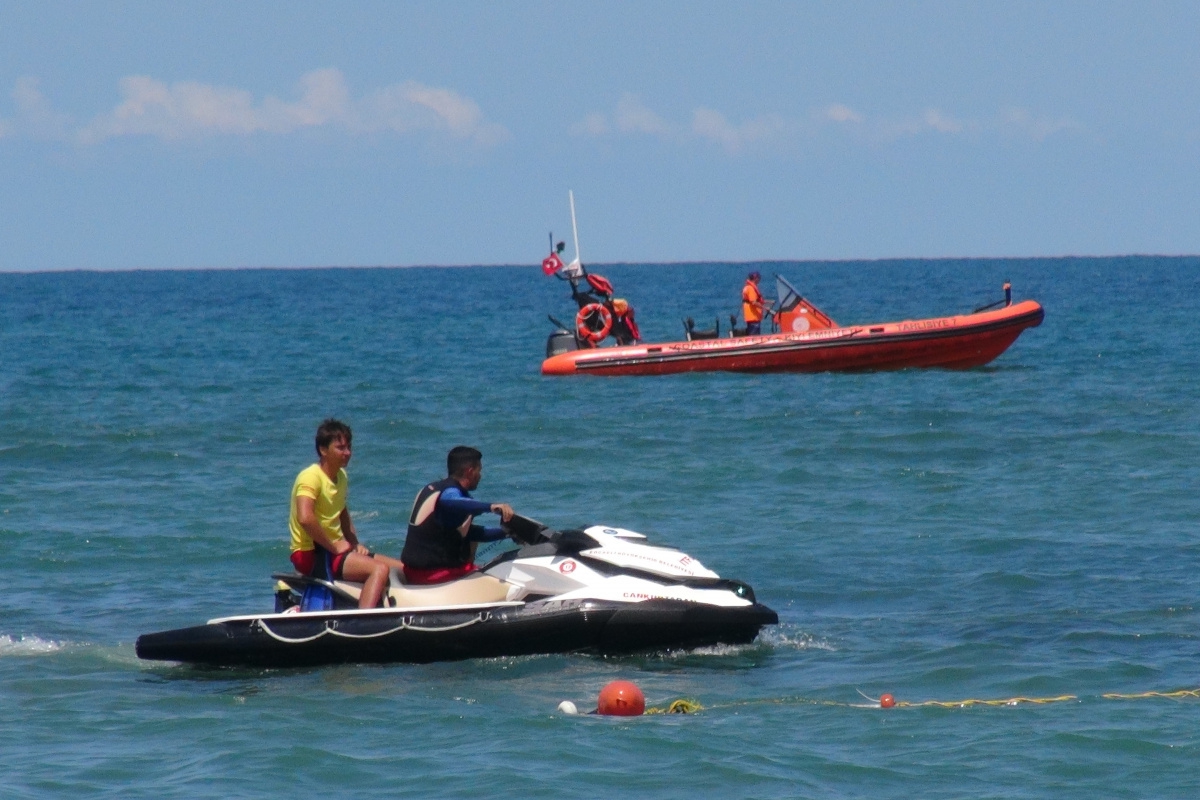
809	341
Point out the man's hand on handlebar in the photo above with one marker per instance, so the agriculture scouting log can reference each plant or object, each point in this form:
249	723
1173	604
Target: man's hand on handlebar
504	510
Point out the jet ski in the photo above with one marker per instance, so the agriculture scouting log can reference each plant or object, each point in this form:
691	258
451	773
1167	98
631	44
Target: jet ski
600	590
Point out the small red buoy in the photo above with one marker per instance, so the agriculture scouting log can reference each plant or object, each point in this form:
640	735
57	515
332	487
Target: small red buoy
887	701
621	699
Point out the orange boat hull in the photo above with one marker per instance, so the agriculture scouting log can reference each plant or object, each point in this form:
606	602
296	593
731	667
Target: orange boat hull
961	342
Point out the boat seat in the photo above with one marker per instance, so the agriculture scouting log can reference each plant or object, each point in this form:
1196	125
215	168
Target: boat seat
734	330
689	326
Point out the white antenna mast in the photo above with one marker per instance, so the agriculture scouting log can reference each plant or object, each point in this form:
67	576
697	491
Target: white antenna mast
574	228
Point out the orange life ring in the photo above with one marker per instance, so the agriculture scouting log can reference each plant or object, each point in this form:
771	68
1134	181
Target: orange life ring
587	313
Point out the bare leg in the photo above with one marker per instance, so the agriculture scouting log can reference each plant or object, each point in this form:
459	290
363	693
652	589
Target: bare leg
391	562
371	572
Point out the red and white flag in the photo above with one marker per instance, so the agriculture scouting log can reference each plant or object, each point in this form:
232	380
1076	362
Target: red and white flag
551	264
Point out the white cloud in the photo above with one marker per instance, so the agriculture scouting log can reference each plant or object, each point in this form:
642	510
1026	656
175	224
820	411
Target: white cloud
1023	122
630	116
412	106
34	116
152	108
935	120
840	113
592	125
712	125
188	109
1011	122
931	120
633	117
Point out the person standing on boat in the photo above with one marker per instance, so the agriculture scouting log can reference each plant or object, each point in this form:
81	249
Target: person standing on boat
624	327
320	521
754	305
442	536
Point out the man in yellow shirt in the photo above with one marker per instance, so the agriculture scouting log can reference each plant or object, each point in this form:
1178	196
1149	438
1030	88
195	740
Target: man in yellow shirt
754	305
320	520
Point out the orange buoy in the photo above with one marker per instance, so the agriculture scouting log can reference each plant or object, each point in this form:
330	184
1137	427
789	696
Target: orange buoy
887	701
621	699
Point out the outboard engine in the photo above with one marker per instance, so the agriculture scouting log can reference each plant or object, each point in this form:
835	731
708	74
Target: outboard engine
561	341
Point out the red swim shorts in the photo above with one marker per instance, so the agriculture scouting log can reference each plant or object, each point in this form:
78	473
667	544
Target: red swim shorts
305	561
439	575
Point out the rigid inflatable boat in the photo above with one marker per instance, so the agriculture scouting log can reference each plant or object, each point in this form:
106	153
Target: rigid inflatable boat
599	590
807	340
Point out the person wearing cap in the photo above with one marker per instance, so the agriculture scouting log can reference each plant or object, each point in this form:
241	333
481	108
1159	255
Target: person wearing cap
754	305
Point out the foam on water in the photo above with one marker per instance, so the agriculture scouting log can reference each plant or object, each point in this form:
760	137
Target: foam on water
27	646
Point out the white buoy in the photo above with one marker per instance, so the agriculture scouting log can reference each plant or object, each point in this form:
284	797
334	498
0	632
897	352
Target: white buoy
567	707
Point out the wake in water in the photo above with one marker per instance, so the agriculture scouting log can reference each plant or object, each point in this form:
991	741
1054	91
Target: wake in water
27	646
785	637
770	641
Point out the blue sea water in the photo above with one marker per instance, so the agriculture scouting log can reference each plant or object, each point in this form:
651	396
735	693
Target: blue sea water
1030	528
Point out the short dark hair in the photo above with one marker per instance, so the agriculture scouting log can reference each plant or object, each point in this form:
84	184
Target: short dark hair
461	457
332	429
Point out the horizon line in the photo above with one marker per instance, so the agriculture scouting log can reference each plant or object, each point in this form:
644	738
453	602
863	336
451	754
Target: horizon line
706	262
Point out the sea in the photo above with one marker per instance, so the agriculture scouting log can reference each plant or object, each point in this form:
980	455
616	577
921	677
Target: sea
1012	552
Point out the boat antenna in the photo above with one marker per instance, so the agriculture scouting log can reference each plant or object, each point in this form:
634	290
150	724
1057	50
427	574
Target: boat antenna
574	227
551	241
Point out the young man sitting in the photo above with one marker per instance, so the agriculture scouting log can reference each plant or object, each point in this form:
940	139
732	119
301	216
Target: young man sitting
442	536
320	520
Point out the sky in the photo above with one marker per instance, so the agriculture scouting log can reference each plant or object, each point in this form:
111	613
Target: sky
151	135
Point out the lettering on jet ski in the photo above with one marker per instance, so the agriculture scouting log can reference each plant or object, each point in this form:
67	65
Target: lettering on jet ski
658	596
683	563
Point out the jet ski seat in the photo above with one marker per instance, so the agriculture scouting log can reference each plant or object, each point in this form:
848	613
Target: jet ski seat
474	589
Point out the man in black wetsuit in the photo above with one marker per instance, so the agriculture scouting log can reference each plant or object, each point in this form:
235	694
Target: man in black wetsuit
442	535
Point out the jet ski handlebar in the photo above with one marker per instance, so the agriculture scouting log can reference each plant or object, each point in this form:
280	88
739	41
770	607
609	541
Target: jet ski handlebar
527	531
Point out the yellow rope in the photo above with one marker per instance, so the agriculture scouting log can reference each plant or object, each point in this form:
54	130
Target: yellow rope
686	706
1172	695
1011	701
680	706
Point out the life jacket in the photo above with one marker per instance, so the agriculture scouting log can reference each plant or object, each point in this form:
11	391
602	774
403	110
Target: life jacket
601	284
624	328
429	545
752	303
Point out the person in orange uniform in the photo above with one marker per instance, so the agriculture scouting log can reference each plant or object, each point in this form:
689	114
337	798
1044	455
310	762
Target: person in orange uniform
320	520
754	305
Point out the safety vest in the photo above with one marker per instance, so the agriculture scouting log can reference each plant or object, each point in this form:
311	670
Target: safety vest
751	303
429	545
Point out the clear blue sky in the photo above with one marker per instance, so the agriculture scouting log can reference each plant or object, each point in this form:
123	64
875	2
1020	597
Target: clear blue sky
227	134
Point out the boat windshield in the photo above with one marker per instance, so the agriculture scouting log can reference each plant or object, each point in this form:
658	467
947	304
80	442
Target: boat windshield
788	296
